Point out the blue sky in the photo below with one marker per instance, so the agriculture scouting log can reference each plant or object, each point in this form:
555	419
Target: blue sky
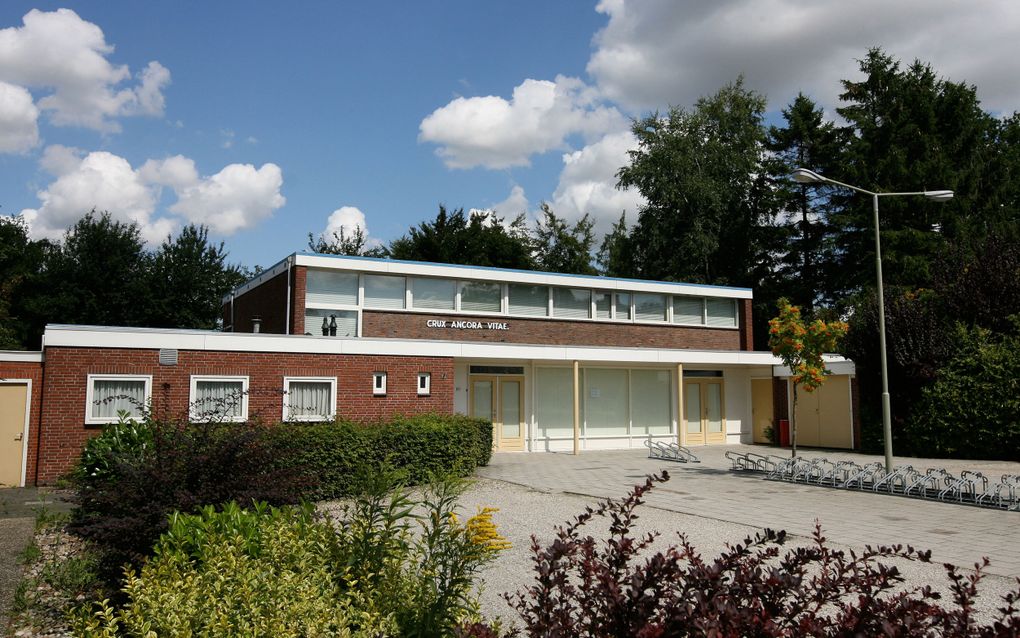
262	119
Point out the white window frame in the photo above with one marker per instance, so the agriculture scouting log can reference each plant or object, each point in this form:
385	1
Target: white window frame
309	417
195	378
426	390
379	389
89	394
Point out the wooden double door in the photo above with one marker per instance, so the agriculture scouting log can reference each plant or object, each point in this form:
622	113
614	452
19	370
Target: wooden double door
704	412
501	400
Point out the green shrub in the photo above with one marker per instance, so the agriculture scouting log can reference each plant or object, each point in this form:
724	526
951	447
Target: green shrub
236	573
972	410
380	570
124	508
127	441
336	454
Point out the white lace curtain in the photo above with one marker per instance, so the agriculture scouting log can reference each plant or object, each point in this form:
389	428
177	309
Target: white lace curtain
218	398
309	398
110	396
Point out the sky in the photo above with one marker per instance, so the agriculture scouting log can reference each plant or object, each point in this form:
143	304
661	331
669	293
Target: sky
268	121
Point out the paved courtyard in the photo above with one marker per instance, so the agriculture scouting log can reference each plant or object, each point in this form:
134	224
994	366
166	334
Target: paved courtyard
955	533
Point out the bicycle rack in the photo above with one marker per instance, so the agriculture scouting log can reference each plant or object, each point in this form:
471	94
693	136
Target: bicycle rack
865	477
896	482
670	452
969	488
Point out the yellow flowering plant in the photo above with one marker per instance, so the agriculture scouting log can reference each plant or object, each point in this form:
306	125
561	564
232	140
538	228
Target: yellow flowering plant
801	345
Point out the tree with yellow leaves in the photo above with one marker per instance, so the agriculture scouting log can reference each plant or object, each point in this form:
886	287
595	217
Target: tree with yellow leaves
801	345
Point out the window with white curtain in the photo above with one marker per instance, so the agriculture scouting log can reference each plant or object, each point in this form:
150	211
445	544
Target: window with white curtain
649	307
384	291
107	396
572	303
435	294
529	300
554	405
688	310
623	306
651	401
606	402
722	313
480	296
331	287
309	398
215	398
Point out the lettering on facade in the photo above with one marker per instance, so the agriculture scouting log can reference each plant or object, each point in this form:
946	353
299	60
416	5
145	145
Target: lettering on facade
449	324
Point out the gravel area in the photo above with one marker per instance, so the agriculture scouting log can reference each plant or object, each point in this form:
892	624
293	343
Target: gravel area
524	511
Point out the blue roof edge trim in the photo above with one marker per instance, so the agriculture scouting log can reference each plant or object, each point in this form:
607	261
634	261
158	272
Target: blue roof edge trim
517	270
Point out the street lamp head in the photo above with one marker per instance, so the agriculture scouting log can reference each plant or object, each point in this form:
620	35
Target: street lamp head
939	196
806	176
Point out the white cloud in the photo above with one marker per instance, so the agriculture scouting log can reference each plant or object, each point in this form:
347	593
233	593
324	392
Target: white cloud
177	171
59	52
346	219
237	197
19	129
659	52
588	183
497	133
515	204
102	181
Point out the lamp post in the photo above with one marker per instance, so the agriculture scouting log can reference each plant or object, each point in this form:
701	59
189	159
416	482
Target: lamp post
805	176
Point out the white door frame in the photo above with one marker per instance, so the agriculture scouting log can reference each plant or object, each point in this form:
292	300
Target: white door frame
28	413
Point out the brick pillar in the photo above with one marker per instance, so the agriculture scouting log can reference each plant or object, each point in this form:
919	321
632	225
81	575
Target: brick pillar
299	278
746	326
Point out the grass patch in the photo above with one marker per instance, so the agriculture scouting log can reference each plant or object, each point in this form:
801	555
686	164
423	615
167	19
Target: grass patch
30	554
48	518
73	576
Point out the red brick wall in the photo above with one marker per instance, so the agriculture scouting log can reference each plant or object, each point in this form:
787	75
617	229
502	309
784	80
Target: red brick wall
299	278
404	325
33	371
268	300
64	431
746	325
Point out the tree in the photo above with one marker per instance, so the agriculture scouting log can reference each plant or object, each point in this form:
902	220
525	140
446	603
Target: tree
801	345
562	248
478	238
616	254
702	174
187	278
21	265
353	244
807	141
910	130
97	277
972	410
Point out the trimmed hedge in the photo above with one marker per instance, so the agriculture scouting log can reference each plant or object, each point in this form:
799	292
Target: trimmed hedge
335	455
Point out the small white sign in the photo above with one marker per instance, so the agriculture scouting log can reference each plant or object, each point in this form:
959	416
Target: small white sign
459	324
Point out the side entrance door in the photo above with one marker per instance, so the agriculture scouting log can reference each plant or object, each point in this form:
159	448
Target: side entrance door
761	409
13	415
704	416
501	400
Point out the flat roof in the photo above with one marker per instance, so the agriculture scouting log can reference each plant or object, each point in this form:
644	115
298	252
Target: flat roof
487	273
60	335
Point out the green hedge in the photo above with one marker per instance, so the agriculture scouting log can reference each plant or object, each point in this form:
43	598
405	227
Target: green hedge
336	454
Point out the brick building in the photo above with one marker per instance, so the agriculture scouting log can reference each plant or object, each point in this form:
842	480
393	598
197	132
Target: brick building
319	336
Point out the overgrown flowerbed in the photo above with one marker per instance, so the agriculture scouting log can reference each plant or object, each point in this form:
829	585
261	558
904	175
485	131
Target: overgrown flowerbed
212	556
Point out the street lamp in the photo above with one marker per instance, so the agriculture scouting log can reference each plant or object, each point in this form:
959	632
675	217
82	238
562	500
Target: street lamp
805	176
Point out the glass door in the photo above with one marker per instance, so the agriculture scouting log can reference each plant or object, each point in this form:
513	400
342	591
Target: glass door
695	426
704	412
500	400
511	411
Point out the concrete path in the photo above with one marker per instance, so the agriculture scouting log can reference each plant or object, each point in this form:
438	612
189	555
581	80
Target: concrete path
955	533
18	510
